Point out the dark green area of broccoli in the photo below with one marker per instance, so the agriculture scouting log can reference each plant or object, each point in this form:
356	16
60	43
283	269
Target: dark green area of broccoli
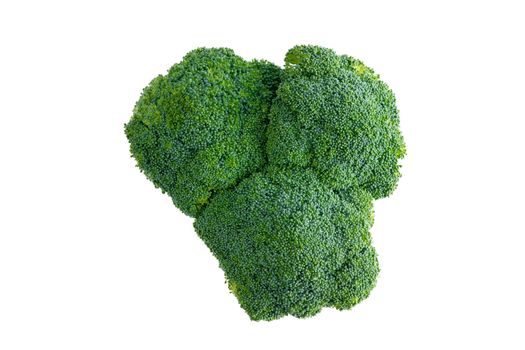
290	245
279	167
333	114
201	127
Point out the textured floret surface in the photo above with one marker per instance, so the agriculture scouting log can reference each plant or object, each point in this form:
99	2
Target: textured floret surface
290	245
334	115
201	127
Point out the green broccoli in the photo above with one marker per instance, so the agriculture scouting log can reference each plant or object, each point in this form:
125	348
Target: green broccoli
290	245
201	128
333	114
279	167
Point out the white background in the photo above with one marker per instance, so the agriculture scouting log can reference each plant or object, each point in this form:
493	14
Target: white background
92	256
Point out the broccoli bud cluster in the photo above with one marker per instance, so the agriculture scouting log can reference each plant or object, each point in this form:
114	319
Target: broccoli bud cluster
278	166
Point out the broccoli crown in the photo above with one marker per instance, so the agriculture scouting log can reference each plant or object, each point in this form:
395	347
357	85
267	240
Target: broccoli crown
291	245
334	115
201	127
279	167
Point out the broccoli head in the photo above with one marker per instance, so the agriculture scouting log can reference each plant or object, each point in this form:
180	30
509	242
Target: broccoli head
290	245
333	114
201	127
279	167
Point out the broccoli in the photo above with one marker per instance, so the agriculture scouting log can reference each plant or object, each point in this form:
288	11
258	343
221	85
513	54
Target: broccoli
333	114
279	167
201	128
291	245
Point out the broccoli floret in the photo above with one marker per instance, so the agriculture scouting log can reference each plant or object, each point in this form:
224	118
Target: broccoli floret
290	245
279	167
201	127
333	114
